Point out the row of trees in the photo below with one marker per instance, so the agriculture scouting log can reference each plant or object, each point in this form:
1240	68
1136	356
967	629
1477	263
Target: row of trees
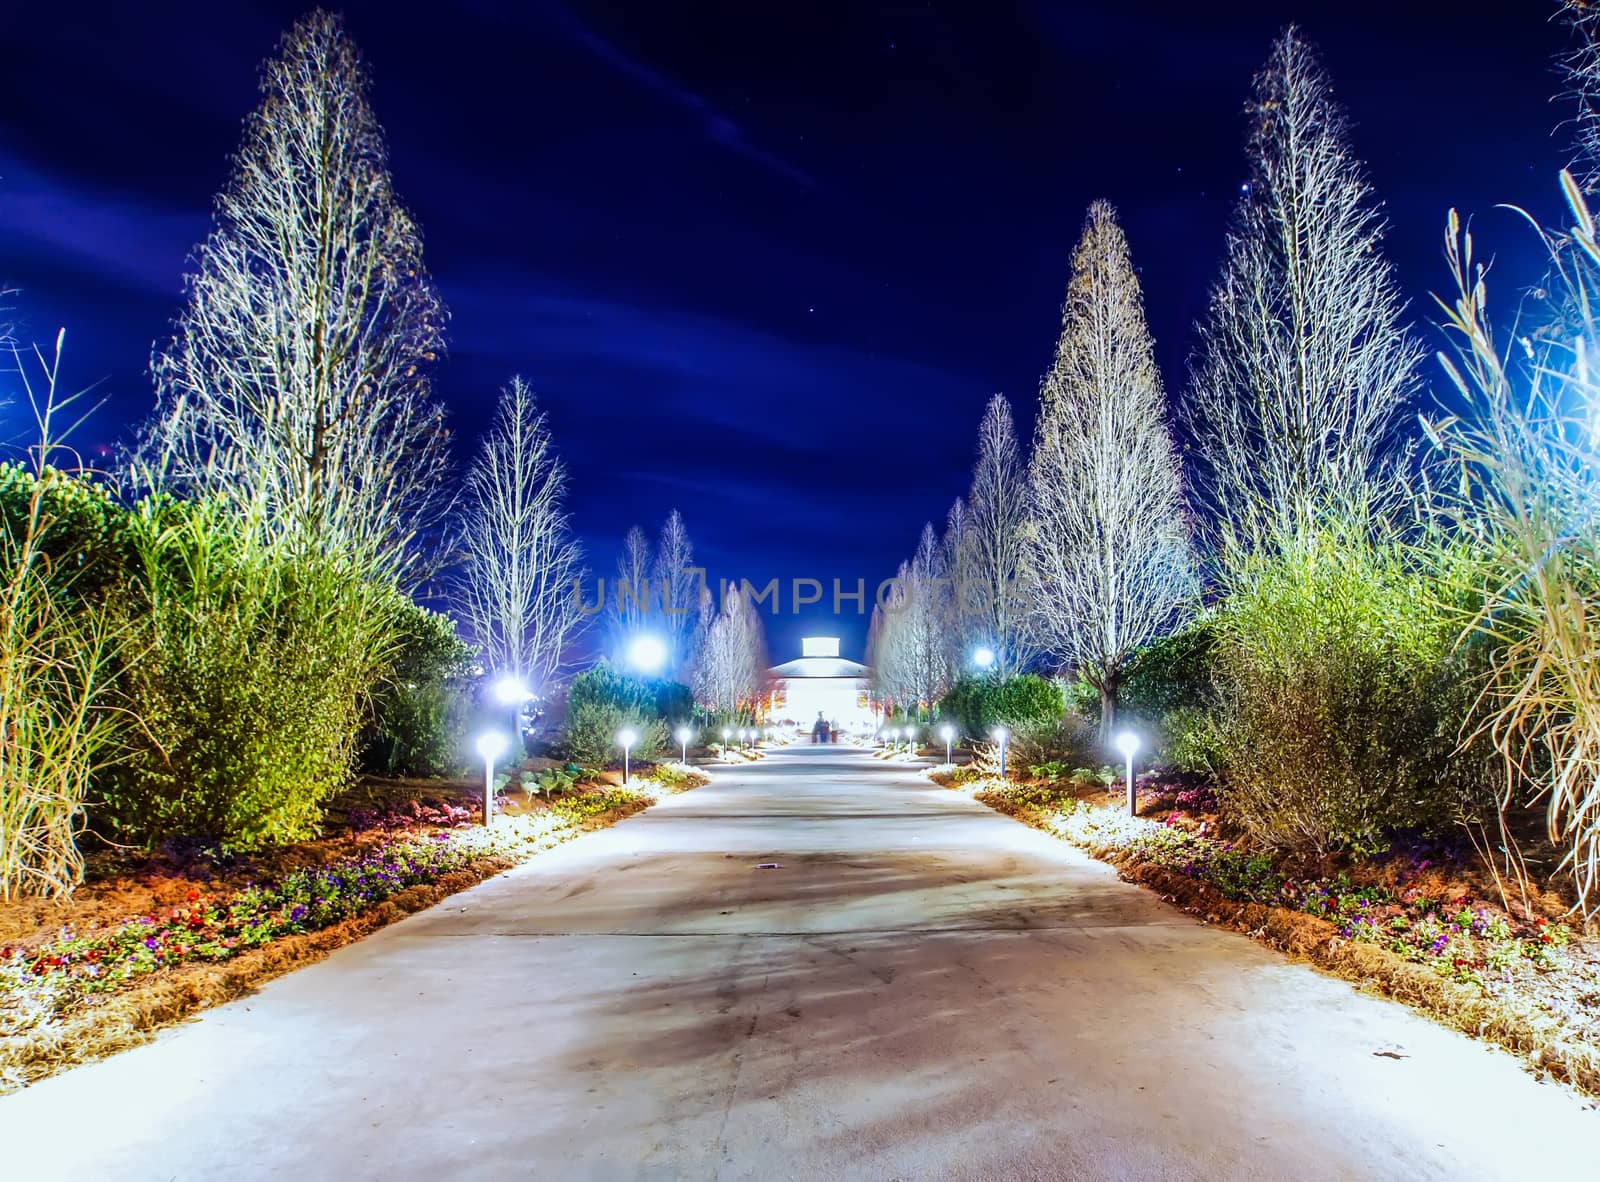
1082	552
209	640
1355	631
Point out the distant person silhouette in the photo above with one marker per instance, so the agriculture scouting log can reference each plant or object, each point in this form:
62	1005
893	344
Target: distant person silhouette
819	732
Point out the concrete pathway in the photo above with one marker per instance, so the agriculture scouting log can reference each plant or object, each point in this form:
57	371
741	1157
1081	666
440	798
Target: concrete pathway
923	989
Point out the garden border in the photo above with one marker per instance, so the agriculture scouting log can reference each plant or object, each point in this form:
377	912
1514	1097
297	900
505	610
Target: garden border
1369	967
133	1016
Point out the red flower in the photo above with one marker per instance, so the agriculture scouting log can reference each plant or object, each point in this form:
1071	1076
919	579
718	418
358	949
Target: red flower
193	895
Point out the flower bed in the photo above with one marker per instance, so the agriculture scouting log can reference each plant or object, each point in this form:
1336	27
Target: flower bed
65	998
1530	984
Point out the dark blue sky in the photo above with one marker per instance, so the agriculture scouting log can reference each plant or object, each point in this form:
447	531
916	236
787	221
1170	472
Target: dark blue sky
762	262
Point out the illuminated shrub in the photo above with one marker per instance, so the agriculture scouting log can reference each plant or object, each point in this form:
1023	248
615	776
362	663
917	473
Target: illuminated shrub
602	701
1340	703
249	668
421	712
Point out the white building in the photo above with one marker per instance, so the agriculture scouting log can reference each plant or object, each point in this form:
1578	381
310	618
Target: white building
821	682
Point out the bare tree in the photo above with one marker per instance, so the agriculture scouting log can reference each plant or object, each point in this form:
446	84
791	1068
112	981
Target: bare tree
630	606
989	580
909	641
1304	360
521	558
1106	537
296	380
731	667
678	587
954	551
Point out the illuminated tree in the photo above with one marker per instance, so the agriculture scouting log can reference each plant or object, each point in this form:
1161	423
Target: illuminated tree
909	642
296	381
521	559
631	601
1106	541
731	666
954	549
989	577
677	587
1304	360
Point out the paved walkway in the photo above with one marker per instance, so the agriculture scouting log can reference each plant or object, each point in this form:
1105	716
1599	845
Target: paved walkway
923	989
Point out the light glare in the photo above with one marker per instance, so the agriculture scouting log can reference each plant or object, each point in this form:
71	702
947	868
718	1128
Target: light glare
646	653
492	745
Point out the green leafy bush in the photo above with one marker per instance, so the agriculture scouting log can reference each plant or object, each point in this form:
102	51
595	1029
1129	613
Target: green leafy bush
1025	703
1170	697
422	711
249	673
1339	704
602	701
1032	708
80	532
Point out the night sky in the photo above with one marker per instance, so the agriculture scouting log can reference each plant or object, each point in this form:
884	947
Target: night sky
764	263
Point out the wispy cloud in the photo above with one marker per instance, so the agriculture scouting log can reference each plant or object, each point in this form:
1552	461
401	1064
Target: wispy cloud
718	126
117	236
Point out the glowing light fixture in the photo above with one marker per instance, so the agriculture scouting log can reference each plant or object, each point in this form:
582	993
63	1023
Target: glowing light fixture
511	690
983	656
1001	735
491	746
1128	744
948	734
647	653
626	738
684	735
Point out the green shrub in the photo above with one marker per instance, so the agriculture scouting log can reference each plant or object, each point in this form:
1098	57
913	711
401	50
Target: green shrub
249	675
422	712
81	533
1339	706
1028	703
602	701
1032	708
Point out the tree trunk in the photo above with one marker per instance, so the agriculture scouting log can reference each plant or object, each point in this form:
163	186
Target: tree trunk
1108	706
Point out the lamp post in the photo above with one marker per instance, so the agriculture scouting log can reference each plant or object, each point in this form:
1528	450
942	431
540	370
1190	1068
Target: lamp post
983	656
684	735
726	735
626	738
1000	735
911	740
1128	744
948	734
491	746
